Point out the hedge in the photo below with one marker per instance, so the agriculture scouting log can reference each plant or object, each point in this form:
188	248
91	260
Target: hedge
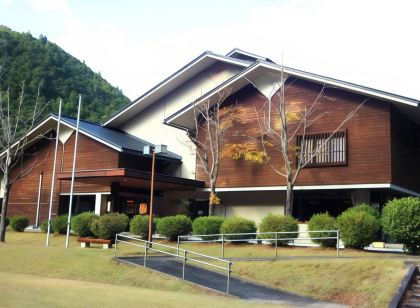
320	222
173	226
139	225
82	222
358	228
401	221
107	226
207	225
59	224
19	223
278	223
238	225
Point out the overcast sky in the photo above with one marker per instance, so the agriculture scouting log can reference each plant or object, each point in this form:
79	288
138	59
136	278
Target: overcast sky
136	44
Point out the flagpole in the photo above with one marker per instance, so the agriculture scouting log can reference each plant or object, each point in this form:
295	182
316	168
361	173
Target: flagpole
73	170
53	175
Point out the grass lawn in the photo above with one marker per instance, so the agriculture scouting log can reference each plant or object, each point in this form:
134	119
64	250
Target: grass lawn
32	271
34	276
357	278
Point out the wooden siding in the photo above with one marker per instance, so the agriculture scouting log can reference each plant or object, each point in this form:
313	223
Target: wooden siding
369	144
24	192
405	136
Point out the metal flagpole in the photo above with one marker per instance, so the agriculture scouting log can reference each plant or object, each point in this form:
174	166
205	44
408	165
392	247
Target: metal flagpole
73	170
38	202
53	175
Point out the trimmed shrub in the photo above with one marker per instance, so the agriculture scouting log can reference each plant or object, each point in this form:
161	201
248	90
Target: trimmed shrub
107	226
238	225
207	225
19	223
139	225
59	224
401	221
44	226
366	208
358	228
320	222
173	226
278	223
81	223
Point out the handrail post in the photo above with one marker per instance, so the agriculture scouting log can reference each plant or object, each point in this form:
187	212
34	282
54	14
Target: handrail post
228	278
115	247
223	246
276	244
177	246
338	243
183	264
145	253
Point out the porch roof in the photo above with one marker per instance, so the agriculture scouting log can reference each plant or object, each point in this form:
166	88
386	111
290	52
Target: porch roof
132	178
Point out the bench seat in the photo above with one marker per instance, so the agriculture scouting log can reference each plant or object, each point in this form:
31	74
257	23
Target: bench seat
86	241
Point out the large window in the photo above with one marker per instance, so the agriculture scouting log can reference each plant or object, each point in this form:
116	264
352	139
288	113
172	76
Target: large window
324	149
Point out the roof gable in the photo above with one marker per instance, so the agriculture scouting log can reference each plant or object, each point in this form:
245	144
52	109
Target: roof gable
181	76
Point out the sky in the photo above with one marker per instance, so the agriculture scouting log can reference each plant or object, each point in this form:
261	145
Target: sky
137	44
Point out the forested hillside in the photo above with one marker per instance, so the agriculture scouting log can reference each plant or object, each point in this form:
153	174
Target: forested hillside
41	63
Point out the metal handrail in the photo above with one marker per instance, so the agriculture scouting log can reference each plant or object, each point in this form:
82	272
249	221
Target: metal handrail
221	237
147	245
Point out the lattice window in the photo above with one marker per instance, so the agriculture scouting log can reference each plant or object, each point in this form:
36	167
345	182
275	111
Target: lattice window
324	149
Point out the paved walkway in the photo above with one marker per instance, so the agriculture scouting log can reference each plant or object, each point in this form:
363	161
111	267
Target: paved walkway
217	280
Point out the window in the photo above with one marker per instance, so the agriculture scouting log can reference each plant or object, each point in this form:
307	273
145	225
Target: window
324	149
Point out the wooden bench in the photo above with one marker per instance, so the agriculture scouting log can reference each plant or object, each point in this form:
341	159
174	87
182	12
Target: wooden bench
86	241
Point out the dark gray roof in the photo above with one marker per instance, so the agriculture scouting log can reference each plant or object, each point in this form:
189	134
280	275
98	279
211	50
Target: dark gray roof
122	140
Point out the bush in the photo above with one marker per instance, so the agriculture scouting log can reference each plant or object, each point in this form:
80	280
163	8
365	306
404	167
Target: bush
81	223
59	224
139	225
238	225
44	226
401	221
278	223
173	226
366	208
323	222
358	228
19	223
207	225
107	226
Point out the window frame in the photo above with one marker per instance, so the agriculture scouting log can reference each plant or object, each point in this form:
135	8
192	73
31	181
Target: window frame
314	137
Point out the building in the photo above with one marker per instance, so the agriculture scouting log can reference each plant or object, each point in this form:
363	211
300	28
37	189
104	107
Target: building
372	158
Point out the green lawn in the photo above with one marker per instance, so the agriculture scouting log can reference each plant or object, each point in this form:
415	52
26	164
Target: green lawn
35	276
357	279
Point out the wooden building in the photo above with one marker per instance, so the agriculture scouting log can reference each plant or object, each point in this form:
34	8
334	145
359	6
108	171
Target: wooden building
372	158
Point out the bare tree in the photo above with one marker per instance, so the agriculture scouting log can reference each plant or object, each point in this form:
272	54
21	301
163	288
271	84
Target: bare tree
211	123
291	135
15	127
285	127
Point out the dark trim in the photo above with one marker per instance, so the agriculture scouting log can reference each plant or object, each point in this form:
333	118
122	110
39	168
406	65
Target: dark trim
402	290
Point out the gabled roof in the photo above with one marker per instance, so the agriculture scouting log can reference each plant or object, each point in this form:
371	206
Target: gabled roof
185	73
245	55
114	138
182	118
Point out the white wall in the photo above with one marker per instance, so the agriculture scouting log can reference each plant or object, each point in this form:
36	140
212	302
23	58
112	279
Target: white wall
149	125
252	205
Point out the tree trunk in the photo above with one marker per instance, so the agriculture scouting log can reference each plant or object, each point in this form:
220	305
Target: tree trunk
211	205
4	208
288	210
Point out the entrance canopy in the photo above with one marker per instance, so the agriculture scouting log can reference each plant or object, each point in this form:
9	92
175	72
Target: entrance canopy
132	178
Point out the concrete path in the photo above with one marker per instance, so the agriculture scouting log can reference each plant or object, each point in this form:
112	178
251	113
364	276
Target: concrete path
218	281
